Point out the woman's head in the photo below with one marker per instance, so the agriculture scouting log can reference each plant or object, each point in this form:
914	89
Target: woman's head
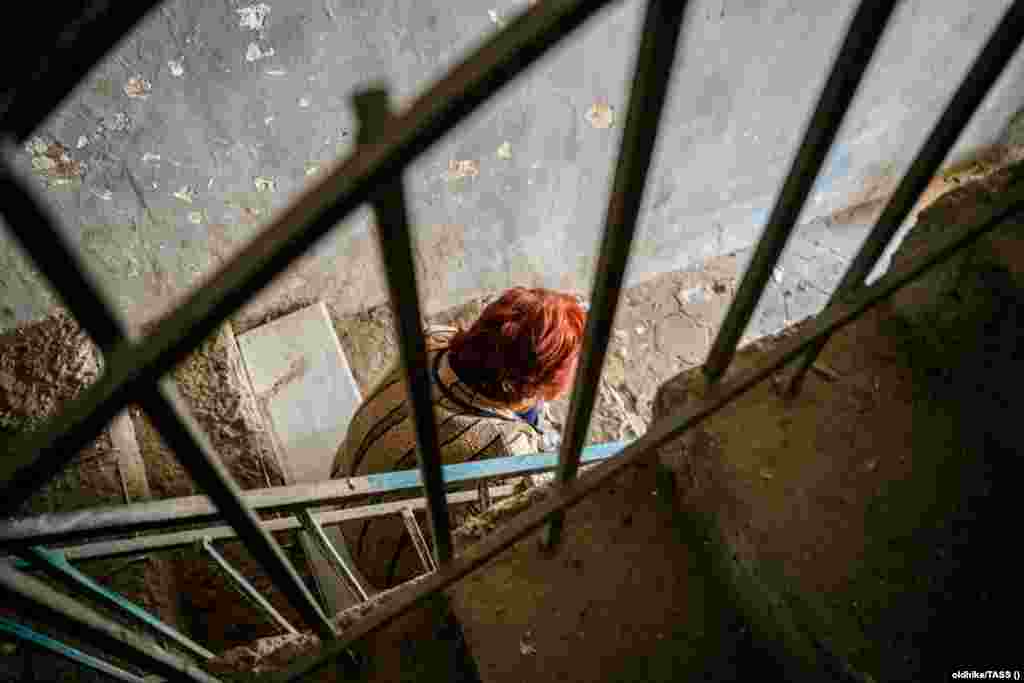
523	346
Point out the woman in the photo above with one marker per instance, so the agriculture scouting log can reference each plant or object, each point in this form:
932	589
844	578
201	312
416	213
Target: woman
488	386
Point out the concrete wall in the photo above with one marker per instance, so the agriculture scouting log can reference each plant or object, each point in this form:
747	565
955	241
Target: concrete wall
213	114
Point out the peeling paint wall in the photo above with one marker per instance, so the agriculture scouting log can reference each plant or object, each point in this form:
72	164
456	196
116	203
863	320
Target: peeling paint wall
212	115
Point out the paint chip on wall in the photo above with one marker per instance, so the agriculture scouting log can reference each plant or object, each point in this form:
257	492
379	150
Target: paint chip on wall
254	53
249	214
177	67
118	123
505	150
265	184
195	217
185	194
465	168
147	157
600	115
304	102
253	17
52	159
137	87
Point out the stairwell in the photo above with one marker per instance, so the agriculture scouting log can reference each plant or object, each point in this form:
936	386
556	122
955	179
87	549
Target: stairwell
847	533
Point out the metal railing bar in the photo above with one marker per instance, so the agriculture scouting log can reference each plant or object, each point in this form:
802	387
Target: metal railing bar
338	563
34	227
35	638
1009	206
395	240
78	47
863	33
663	22
56	565
50	528
295	229
246	589
990	63
34	598
182	539
57	260
483	488
182	435
412	527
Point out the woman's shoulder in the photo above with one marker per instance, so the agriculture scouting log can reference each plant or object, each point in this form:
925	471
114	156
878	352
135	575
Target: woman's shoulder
439	336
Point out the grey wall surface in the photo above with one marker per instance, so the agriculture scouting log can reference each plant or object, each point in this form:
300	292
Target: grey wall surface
214	114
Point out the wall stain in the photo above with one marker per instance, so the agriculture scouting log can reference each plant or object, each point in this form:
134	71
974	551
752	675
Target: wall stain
104	87
52	161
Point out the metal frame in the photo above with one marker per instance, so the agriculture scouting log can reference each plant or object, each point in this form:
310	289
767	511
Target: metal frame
34	638
395	242
175	512
33	597
183	539
245	588
134	370
1011	206
56	565
663	23
340	566
412	527
865	30
982	75
160	401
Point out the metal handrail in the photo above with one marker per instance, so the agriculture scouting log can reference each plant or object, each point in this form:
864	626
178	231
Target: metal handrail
63	527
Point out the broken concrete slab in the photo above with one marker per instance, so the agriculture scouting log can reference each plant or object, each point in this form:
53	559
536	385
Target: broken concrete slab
307	394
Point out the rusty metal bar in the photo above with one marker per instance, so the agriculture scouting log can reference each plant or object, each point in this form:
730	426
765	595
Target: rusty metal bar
419	542
130	369
1009	206
663	22
393	236
33	597
1002	44
862	36
246	588
331	554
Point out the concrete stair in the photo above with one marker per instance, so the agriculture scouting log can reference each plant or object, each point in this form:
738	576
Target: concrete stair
307	396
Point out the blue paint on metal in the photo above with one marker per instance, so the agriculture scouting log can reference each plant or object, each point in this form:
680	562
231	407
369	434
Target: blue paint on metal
28	635
760	217
494	467
57	561
837	166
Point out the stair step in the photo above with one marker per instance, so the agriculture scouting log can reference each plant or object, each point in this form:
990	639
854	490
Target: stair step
307	395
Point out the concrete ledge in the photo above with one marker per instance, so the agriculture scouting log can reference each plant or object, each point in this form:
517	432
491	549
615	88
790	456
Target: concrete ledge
855	526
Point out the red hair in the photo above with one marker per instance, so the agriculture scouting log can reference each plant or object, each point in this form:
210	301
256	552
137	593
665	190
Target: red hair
524	345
